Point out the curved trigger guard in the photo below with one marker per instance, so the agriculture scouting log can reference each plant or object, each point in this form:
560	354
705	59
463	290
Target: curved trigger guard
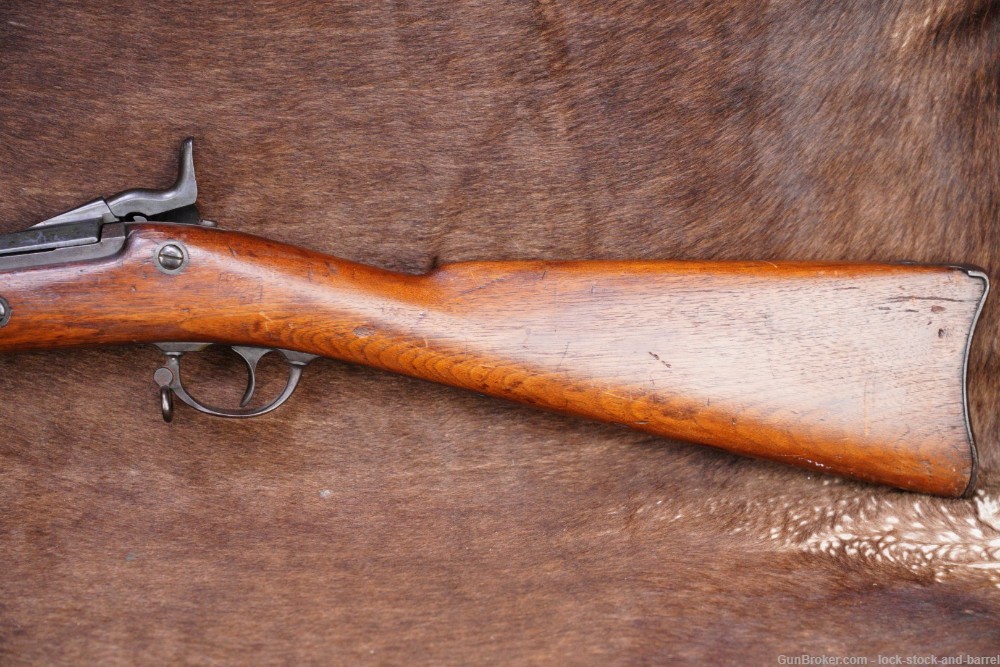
169	379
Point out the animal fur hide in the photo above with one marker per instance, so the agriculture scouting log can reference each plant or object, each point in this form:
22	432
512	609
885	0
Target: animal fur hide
381	519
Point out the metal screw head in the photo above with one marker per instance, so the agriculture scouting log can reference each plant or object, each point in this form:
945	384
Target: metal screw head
4	311
171	257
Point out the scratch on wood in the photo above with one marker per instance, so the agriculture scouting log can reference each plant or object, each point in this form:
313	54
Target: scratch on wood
495	281
931	298
563	357
657	357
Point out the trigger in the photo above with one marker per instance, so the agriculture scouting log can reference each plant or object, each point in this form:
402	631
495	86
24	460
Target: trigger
251	388
251	356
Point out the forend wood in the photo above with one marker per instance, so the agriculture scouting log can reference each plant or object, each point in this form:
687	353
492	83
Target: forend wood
855	369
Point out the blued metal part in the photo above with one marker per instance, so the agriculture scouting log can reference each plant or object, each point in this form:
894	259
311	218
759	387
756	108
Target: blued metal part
975	273
50	237
167	403
169	379
148	203
140	202
97	210
185	215
112	239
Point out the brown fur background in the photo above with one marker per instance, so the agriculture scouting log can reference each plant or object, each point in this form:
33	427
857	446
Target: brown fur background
387	520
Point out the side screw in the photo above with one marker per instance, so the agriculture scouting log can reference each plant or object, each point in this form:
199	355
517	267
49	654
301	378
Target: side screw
4	312
171	257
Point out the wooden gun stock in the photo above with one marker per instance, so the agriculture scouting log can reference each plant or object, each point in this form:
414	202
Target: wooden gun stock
856	369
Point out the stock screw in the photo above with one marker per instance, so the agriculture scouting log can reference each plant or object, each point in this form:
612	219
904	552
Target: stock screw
4	312
170	257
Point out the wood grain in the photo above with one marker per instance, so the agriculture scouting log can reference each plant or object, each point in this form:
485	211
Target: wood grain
856	369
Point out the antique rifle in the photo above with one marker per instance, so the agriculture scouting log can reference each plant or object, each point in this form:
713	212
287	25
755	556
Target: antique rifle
851	368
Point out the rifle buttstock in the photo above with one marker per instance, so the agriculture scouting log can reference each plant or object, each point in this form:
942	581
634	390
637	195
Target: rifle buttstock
856	369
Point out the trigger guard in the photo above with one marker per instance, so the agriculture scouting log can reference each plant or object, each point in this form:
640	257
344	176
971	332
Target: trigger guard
251	356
